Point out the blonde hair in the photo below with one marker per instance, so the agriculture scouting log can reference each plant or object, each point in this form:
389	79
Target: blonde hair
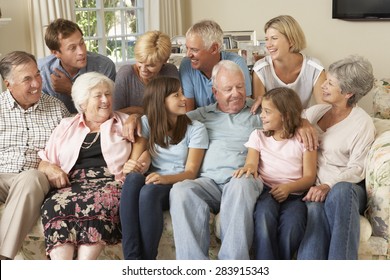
153	47
290	28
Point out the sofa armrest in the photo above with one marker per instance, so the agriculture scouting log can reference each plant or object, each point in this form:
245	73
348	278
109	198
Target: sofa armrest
378	181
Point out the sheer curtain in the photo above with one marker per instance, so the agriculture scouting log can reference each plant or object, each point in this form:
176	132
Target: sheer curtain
164	15
42	12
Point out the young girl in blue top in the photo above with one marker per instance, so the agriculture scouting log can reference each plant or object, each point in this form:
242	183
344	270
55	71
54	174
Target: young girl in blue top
176	146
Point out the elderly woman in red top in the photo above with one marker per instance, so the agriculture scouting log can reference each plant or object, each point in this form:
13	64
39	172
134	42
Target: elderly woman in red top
83	161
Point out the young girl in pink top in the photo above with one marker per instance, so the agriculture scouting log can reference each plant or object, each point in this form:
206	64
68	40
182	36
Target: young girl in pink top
277	156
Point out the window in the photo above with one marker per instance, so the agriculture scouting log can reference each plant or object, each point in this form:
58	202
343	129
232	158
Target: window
111	27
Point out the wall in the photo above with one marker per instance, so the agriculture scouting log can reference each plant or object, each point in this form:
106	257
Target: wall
328	39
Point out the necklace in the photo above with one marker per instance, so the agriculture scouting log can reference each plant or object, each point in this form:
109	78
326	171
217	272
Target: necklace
89	144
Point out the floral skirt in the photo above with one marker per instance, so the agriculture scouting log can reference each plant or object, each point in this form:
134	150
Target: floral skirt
87	212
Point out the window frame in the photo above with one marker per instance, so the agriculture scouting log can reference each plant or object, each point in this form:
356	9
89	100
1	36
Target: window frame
102	38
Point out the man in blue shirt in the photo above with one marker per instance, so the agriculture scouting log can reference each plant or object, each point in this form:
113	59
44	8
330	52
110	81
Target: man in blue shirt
69	59
204	41
229	123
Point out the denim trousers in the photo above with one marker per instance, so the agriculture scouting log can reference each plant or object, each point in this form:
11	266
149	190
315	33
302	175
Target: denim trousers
141	213
191	202
279	227
333	226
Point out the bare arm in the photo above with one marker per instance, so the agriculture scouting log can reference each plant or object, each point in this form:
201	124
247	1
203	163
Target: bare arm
251	164
308	135
317	91
258	92
132	110
281	192
132	127
190	104
194	160
139	160
56	176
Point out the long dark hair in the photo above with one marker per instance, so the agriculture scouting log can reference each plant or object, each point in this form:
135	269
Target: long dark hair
154	108
289	105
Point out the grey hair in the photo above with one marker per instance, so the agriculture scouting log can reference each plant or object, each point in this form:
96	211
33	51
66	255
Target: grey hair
355	75
83	85
209	31
227	65
13	59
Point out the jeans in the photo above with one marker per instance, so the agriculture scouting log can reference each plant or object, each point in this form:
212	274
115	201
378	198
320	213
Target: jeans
191	202
333	226
279	227
141	213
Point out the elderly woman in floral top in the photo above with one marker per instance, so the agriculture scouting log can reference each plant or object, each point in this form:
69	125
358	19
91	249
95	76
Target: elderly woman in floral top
83	161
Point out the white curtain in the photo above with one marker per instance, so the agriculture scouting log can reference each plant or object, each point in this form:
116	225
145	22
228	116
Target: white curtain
164	15
42	12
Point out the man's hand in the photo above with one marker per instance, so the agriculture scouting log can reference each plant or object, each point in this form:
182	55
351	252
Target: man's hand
256	105
317	193
60	82
308	135
132	127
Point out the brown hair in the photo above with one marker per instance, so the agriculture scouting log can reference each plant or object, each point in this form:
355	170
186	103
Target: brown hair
154	107
289	105
59	27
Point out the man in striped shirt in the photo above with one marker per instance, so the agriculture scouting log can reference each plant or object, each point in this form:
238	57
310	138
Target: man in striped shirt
27	118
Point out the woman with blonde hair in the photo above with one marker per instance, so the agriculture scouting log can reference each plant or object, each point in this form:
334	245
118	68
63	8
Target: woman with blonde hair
151	52
285	65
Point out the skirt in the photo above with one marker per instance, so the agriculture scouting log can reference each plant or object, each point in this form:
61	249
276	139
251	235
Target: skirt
87	212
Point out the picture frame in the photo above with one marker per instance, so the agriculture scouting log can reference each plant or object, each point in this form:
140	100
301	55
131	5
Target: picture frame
227	42
236	37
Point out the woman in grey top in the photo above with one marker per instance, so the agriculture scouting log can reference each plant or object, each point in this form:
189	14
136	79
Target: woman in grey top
151	51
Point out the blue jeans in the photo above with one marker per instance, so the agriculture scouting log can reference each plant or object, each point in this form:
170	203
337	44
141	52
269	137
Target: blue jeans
333	226
191	202
141	213
279	227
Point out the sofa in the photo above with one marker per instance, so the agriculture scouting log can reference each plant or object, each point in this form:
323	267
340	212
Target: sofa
374	225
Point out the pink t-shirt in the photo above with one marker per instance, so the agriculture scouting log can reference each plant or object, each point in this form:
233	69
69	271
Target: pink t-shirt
280	161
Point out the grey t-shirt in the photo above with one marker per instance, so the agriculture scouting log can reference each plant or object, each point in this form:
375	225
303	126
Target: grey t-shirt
129	90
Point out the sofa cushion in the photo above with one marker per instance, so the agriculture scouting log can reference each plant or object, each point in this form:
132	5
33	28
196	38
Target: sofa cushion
381	99
378	185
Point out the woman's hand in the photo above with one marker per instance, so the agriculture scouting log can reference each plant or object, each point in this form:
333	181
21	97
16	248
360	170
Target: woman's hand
132	127
256	105
248	170
155	178
308	135
134	166
280	192
56	176
317	193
